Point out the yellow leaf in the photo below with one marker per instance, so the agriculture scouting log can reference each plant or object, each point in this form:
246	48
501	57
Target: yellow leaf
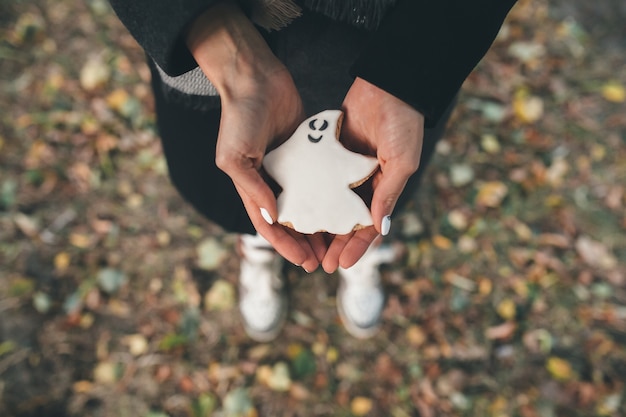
80	240
332	355
559	368
415	335
293	350
506	309
491	194
61	262
117	99
614	92
527	108
360	406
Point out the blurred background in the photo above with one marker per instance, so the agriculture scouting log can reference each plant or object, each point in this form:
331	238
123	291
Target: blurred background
116	299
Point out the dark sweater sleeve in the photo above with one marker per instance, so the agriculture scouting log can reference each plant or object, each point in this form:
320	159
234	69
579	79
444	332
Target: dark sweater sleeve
159	27
424	49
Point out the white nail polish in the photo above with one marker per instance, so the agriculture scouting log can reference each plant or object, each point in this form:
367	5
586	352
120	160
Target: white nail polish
266	216
385	225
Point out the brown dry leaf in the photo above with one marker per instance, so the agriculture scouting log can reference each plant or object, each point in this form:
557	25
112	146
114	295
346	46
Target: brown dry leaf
491	194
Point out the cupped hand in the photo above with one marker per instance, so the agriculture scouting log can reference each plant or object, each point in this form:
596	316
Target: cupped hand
377	123
261	107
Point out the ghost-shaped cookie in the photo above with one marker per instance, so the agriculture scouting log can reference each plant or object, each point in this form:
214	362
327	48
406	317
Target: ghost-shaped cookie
317	174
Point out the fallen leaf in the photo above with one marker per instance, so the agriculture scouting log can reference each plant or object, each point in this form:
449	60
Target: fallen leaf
502	331
491	194
61	262
220	297
527	108
490	144
42	302
461	174
111	280
237	403
279	380
415	335
137	344
457	219
442	242
105	373
94	74
614	91
360	406
559	368
594	253
507	309
210	254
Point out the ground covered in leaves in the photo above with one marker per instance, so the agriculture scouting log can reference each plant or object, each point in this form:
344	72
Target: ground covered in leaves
116	299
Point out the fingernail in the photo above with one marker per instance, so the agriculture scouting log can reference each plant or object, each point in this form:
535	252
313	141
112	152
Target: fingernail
306	270
385	225
266	216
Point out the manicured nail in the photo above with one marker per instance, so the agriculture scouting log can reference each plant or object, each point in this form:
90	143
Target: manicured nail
385	225
266	216
306	270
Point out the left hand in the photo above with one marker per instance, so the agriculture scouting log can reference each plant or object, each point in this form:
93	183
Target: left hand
377	123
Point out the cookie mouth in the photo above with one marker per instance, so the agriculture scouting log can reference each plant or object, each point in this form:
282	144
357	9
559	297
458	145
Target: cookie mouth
315	140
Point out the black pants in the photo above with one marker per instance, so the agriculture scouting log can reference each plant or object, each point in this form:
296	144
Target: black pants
318	53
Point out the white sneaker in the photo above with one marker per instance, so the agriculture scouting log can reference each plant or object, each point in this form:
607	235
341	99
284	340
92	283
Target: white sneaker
262	301
360	297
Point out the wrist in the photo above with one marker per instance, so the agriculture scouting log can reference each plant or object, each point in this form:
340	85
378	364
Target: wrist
231	52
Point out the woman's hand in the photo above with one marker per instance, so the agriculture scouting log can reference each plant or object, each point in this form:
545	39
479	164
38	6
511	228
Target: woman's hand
260	106
377	123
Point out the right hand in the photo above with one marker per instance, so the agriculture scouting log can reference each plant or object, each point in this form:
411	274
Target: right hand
261	107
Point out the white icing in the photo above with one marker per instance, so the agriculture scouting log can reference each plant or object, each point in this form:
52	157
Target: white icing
316	173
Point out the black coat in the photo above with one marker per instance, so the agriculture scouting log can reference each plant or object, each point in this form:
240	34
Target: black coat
421	52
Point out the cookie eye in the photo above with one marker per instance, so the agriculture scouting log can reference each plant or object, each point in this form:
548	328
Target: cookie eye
312	125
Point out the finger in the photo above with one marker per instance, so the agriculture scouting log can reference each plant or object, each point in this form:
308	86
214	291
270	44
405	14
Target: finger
319	245
330	263
250	183
357	246
390	185
296	249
